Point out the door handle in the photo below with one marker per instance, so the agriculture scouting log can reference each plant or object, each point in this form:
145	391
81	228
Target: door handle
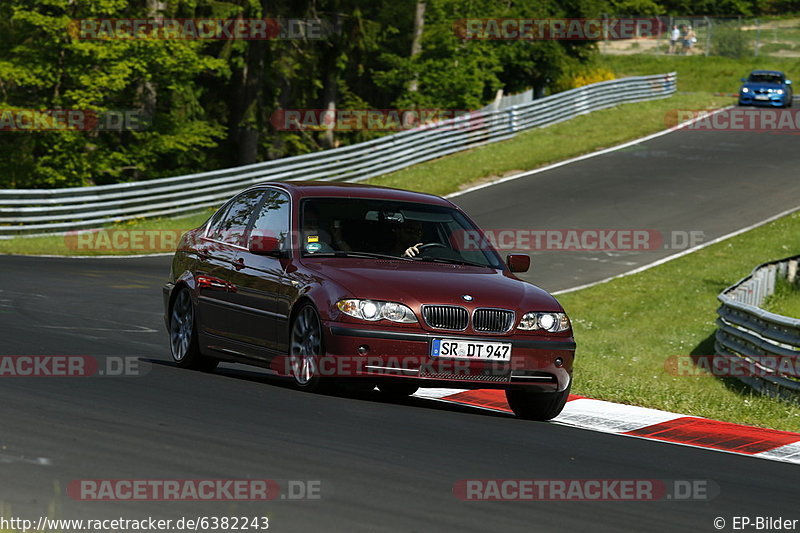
239	264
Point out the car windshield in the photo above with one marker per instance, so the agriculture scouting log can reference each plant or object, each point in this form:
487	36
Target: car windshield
765	78
358	227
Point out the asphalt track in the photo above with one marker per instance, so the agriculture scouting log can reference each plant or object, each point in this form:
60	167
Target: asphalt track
381	466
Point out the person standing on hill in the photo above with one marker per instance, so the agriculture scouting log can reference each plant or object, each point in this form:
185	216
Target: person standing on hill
674	37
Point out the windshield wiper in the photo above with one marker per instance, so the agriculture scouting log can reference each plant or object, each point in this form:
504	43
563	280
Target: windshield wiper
342	253
453	261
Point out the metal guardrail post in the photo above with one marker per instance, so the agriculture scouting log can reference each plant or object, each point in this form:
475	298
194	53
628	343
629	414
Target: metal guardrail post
764	341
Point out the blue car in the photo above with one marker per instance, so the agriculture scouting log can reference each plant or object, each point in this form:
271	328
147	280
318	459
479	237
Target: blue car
766	87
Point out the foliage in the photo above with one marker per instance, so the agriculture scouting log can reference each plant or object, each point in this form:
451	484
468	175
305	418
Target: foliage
730	41
213	103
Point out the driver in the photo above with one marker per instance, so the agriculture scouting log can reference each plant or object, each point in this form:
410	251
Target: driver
410	231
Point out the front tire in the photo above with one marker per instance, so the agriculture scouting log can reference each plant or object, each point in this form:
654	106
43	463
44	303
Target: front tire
184	347
305	348
540	406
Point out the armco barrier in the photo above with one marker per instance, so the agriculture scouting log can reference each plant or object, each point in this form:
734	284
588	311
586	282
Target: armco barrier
49	211
759	337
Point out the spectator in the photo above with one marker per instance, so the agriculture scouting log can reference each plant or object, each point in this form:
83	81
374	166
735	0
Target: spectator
674	37
688	40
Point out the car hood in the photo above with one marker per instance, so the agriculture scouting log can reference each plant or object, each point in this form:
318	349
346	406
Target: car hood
415	283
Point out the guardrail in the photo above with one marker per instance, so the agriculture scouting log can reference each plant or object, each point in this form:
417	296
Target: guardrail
54	211
767	344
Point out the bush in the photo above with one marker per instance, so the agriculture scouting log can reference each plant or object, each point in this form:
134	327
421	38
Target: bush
728	40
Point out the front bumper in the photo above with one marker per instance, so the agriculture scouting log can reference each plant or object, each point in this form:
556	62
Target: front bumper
772	101
543	363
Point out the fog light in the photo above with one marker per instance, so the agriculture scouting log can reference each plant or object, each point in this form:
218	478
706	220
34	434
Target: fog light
363	349
559	362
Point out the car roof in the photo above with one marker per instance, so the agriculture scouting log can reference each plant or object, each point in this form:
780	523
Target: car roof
309	189
776	72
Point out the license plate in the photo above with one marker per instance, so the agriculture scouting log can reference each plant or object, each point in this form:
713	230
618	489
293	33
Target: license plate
762	97
458	349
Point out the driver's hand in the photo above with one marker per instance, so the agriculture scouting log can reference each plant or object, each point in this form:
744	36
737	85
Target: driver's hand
412	251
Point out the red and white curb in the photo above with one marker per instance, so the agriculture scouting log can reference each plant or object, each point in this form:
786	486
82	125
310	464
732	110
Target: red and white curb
651	424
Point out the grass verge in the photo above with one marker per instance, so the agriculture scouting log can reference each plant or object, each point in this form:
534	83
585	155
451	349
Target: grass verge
712	74
162	230
628	328
786	300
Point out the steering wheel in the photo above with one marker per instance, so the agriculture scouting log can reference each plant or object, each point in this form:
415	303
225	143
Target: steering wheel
430	245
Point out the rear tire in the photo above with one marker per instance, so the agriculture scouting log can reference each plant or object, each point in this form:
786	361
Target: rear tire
540	406
183	343
397	390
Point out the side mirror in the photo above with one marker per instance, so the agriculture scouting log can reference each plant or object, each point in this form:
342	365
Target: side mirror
518	262
788	82
264	245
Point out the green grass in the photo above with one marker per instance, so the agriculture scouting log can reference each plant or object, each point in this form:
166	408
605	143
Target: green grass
629	328
786	300
70	245
771	48
699	73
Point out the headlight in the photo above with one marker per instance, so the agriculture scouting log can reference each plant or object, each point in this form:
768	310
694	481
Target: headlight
779	91
373	310
745	90
552	322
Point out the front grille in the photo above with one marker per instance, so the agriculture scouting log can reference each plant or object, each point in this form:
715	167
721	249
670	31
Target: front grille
461	376
445	317
492	320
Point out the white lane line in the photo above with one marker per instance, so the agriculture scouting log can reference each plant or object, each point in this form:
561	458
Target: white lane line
589	155
681	253
10	459
139	329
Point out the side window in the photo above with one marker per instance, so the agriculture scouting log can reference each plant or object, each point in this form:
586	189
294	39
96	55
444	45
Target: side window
216	220
273	218
231	227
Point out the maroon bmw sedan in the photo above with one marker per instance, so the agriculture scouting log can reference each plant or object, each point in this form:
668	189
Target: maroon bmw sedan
389	288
